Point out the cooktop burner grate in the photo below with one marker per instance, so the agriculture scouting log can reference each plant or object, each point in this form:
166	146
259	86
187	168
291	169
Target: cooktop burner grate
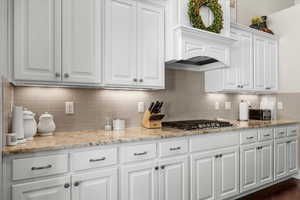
196	124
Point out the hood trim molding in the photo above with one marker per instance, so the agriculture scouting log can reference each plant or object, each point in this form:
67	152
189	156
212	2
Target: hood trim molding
191	43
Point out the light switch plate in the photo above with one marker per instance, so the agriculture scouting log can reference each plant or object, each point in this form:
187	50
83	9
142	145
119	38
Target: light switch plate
69	107
227	105
217	106
141	107
280	106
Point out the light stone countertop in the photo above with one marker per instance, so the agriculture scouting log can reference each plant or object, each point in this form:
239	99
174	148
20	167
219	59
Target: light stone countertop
68	140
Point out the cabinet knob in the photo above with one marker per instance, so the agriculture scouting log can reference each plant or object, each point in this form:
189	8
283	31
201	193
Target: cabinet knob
156	168
76	184
141	80
66	75
242	86
163	167
67	185
135	80
57	75
268	88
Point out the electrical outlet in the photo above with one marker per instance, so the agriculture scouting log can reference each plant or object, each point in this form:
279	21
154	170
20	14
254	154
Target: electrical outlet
280	106
227	105
141	107
69	107
217	106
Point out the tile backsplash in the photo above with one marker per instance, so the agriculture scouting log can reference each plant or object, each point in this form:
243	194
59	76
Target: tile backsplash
184	96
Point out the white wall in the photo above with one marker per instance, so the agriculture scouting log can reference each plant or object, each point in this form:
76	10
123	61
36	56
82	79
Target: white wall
297	1
246	9
286	25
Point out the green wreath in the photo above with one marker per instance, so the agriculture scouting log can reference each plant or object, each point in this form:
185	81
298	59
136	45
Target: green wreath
195	17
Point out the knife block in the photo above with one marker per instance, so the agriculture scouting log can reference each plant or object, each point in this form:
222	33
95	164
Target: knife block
151	124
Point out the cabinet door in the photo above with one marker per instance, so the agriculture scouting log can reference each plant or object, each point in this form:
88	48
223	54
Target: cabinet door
248	167
246	58
37	40
120	43
271	67
292	158
231	74
280	159
173	183
81	36
52	189
96	185
259	62
228	173
139	181
265	163
203	176
150	52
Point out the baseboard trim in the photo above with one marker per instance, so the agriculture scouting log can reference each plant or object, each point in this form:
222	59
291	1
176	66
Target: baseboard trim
297	176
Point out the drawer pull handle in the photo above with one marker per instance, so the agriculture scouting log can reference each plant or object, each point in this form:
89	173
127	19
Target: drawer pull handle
268	135
175	149
41	168
140	154
250	138
294	131
98	160
281	133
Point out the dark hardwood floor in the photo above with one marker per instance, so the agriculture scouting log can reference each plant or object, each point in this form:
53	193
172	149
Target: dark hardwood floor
288	190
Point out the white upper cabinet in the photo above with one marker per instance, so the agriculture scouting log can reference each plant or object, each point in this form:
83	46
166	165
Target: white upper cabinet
120	66
134	44
259	62
81	41
271	68
113	43
254	64
150	52
37	40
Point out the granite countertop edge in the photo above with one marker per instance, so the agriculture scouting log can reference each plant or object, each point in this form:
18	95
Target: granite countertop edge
80	139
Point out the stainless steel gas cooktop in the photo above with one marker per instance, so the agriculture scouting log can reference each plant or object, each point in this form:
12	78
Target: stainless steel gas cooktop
196	124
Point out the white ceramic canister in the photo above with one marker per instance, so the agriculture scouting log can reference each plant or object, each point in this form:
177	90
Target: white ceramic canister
17	123
30	125
118	125
46	125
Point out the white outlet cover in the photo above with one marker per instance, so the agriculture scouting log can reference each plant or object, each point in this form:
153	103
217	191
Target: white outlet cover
69	108
141	107
280	106
217	106
227	105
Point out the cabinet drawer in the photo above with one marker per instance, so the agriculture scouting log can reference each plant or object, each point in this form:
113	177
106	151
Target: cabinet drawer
280	132
248	137
265	134
39	166
173	148
292	130
214	141
138	152
93	159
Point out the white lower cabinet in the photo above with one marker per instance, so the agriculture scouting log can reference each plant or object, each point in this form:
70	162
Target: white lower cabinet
139	181
215	174
97	185
51	189
256	165
246	161
173	179
286	157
